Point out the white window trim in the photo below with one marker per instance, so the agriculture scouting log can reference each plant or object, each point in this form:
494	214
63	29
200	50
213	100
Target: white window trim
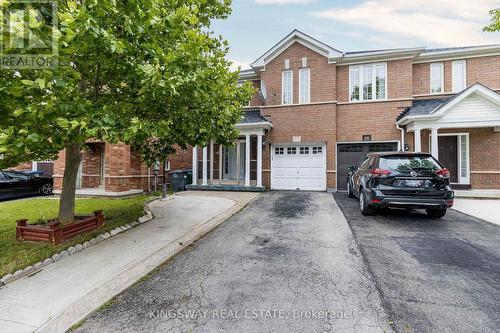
464	75
374	82
308	86
441	64
283	86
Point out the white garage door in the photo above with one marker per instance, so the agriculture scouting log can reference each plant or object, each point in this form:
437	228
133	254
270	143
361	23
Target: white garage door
298	167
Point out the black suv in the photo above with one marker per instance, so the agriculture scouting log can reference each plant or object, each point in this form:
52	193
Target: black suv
401	180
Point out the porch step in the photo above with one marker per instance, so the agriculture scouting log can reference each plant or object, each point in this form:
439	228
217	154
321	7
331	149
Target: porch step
224	187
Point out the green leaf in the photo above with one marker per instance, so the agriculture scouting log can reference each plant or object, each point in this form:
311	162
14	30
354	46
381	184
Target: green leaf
18	112
41	83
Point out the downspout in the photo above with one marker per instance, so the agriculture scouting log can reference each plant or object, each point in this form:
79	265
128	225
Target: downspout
402	148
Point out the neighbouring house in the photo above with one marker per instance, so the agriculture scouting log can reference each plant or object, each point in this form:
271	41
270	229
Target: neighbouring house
47	167
318	110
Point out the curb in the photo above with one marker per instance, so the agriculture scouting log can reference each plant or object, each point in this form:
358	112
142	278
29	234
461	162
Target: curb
11	277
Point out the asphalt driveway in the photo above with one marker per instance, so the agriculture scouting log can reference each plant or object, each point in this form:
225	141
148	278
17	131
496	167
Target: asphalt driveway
286	263
439	275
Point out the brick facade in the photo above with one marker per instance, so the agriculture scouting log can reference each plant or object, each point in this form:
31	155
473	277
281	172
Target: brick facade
121	170
329	118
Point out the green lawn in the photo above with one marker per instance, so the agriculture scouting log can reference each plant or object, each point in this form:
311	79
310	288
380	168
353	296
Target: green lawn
16	255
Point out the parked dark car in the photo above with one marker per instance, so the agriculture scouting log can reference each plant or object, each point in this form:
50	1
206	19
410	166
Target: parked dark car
401	180
19	184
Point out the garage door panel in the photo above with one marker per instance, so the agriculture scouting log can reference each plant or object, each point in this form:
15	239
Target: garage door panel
302	170
352	153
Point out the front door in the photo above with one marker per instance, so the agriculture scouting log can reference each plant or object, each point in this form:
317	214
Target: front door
231	162
448	155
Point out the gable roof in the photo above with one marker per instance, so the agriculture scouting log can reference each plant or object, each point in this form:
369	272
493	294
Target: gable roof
299	37
435	108
418	54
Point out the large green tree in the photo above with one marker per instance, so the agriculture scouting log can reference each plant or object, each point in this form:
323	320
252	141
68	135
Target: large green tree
133	71
494	21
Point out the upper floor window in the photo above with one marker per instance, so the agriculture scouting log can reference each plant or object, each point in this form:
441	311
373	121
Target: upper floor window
287	87
304	85
437	78
368	82
458	75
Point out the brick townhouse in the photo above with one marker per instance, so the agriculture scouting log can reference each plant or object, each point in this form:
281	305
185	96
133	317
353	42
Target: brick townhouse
317	110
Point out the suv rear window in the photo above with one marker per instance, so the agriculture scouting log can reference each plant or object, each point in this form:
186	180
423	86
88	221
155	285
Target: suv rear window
408	163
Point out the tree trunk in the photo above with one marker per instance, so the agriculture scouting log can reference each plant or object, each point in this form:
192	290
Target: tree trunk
67	202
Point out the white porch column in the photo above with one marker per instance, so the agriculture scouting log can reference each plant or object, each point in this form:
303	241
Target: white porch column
434	143
417	143
247	160
195	165
220	163
238	159
204	168
211	161
259	159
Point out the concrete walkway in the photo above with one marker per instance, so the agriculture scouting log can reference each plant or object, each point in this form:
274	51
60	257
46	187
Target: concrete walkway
477	194
487	210
63	293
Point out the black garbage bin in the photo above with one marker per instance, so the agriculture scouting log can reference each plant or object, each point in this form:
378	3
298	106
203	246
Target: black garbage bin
188	176
177	180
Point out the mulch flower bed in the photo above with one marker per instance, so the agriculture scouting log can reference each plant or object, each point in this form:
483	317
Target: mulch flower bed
53	232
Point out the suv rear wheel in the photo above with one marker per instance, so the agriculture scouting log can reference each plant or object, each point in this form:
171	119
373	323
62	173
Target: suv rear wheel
363	204
436	213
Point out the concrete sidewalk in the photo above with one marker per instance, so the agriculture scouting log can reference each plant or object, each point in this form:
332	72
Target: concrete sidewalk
63	293
487	210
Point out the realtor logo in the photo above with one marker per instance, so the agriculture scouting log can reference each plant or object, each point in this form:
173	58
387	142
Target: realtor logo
28	30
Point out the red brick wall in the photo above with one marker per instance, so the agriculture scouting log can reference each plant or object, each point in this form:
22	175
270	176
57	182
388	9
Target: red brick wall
485	70
314	123
182	159
374	118
322	75
256	100
123	168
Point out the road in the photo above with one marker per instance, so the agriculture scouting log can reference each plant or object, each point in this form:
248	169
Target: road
434	275
286	263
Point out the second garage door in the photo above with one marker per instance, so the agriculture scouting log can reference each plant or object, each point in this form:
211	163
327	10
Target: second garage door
298	167
351	153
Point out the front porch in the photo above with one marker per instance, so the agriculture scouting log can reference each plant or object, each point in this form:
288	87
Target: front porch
236	167
462	132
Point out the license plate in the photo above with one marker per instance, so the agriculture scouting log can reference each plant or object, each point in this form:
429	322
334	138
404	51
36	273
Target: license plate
413	183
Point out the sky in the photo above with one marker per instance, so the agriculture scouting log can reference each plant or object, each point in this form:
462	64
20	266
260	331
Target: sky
256	25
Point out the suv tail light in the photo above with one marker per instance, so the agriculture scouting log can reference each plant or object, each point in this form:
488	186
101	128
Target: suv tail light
443	173
379	172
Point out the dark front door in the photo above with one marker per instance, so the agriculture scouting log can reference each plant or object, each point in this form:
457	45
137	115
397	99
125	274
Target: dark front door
352	153
448	155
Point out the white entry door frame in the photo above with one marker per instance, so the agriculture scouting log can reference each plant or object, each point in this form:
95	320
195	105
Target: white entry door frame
463	155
